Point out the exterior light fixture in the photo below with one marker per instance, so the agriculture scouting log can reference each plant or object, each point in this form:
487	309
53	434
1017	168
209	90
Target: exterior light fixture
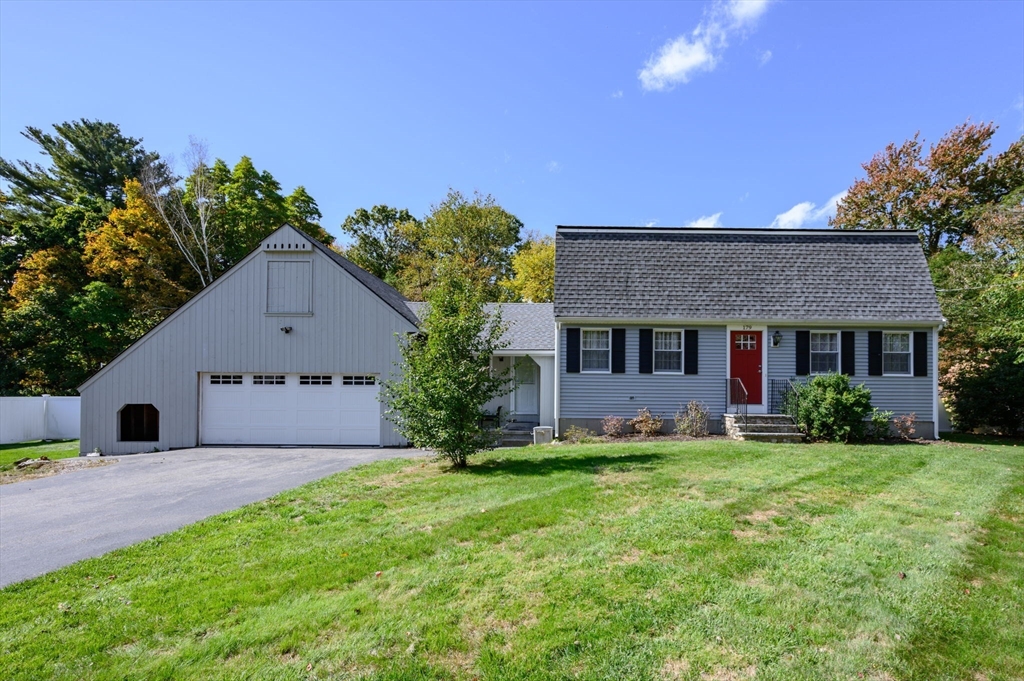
776	339
286	329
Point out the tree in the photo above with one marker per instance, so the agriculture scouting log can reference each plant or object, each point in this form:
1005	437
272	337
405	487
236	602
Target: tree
188	212
380	236
534	267
436	400
218	215
134	253
57	204
940	193
474	238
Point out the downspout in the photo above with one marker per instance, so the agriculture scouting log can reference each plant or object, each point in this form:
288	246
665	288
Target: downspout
935	378
558	373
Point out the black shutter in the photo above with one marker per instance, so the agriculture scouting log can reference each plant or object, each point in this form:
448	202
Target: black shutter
920	353
572	350
847	352
803	353
646	352
874	353
690	357
618	351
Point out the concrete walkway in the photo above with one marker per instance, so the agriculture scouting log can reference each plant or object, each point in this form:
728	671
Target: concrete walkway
52	522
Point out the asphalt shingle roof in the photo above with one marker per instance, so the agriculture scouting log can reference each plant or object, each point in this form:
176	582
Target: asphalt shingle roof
384	291
531	326
792	275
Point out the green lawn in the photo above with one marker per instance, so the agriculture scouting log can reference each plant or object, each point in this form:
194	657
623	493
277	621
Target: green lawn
703	560
54	449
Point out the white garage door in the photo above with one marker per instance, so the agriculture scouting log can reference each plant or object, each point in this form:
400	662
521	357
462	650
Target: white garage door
289	409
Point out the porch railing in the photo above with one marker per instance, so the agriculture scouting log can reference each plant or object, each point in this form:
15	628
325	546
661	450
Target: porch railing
779	392
737	397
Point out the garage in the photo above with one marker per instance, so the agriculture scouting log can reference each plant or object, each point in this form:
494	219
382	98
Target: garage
289	409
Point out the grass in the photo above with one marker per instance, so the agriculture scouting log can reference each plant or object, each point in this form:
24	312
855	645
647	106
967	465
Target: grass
54	449
704	560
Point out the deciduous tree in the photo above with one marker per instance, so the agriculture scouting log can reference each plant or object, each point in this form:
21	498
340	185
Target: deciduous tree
534	267
940	192
380	239
436	399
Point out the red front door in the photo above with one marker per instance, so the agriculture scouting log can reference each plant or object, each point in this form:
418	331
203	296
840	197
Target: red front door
745	363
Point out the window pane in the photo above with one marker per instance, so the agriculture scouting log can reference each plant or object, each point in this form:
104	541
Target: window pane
897	342
896	362
824	362
668	361
668	340
824	342
595	340
595	360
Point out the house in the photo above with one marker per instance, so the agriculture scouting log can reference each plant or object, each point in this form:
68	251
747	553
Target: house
290	345
658	317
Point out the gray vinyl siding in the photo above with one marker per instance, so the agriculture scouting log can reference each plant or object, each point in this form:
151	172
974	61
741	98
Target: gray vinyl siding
225	329
899	394
594	396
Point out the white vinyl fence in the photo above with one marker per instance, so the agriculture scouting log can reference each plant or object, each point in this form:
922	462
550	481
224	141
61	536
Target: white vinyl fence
39	418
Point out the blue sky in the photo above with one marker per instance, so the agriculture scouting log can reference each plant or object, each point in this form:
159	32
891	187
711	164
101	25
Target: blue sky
732	114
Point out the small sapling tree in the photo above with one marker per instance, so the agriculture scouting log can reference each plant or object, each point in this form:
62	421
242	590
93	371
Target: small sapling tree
436	399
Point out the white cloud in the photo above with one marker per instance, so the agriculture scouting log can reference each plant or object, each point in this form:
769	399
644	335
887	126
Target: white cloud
1019	106
617	94
714	220
651	223
764	57
807	214
680	59
554	167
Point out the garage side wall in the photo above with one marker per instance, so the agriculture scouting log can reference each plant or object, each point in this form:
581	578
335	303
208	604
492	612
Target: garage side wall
226	330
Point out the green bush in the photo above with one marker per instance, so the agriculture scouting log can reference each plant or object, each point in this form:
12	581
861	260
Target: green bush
988	392
827	407
878	428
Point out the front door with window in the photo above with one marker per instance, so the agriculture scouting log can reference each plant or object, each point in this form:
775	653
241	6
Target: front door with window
527	394
745	363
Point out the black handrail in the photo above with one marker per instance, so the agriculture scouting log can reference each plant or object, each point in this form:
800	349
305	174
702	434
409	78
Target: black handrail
736	395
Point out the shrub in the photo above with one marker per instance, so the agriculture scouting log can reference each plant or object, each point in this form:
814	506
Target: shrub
578	435
987	391
613	426
906	425
693	420
827	407
878	428
646	423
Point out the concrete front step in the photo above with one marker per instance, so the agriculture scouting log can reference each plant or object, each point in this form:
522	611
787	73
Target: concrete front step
759	418
767	428
770	437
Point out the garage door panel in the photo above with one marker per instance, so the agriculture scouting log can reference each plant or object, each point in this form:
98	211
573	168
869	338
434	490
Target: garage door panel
275	414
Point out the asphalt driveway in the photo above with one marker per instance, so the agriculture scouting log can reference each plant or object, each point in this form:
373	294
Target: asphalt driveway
52	522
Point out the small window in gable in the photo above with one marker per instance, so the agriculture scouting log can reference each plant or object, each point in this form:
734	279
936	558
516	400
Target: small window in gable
139	423
289	287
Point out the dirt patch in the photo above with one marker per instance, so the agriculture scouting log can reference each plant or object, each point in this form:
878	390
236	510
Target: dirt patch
675	669
631	557
762	516
729	674
53	468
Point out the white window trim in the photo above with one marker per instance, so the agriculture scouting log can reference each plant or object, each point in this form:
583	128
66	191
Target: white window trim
910	361
839	352
596	371
682	352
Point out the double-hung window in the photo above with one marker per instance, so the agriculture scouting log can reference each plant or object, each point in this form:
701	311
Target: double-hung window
596	350
824	352
896	353
668	352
